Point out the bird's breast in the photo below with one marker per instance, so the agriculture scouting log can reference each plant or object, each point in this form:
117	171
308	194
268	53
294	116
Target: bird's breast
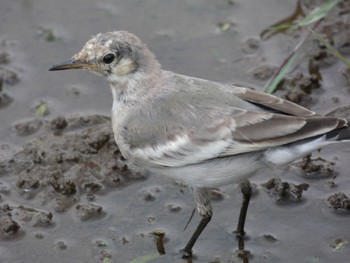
119	116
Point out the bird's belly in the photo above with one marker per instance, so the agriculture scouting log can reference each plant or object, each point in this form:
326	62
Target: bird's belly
215	172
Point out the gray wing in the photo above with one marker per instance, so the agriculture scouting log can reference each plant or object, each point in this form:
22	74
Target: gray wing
196	120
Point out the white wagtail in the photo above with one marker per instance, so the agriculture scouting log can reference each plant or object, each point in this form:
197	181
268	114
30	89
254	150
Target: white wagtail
204	133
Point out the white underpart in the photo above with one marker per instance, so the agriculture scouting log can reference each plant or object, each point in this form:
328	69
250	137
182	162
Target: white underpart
214	172
128	85
223	171
286	154
180	151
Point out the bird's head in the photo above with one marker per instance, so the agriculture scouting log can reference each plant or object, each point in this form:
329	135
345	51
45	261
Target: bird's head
115	55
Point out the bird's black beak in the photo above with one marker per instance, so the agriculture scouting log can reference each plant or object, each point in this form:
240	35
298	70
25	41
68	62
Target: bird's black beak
70	64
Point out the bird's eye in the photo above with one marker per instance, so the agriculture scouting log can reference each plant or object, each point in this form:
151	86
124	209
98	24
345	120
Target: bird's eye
108	59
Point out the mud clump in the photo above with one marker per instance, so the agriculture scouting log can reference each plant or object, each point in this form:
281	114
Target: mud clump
28	127
58	123
4	57
174	208
5	99
284	190
63	186
7	225
8	76
298	88
88	211
263	72
61	245
35	217
72	158
339	201
251	45
317	166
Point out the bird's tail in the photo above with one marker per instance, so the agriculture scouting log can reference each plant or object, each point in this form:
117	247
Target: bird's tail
342	134
287	153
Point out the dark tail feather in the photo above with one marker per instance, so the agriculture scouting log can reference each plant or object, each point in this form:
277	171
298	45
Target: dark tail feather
342	134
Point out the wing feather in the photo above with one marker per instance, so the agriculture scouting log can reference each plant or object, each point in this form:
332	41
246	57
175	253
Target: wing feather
210	121
273	102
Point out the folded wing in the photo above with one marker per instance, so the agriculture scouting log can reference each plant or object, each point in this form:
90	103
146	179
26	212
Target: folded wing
271	122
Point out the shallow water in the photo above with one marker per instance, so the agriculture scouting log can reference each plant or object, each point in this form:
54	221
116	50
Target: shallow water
186	38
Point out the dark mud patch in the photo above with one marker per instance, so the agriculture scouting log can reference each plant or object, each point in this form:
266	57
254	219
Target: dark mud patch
298	88
8	75
264	72
8	226
77	159
339	201
316	167
88	211
33	216
283	191
28	127
5	99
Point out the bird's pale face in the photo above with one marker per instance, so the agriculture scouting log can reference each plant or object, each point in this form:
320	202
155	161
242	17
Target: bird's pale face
106	55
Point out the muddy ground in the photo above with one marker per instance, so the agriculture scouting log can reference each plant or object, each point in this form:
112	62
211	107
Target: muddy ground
67	194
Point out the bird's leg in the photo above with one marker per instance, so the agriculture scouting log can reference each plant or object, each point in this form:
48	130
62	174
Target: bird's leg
246	189
187	251
202	199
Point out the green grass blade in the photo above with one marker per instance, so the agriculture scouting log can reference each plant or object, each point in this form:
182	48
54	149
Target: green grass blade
284	24
332	49
291	23
317	13
271	86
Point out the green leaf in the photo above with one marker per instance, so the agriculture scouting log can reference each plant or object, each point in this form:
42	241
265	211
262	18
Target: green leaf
41	110
340	245
225	27
145	259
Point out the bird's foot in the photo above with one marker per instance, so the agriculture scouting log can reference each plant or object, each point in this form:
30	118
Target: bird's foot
186	253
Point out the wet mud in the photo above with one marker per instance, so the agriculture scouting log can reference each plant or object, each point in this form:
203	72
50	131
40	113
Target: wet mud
68	195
